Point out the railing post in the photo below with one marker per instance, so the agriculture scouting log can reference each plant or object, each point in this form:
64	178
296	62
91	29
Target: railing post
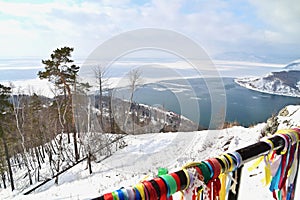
237	176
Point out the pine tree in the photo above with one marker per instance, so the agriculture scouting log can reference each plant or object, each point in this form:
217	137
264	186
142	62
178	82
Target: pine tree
61	71
5	111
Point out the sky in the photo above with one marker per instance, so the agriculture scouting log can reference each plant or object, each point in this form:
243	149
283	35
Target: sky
232	29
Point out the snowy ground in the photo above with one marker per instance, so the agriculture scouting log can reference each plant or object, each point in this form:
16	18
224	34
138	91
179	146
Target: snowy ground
146	153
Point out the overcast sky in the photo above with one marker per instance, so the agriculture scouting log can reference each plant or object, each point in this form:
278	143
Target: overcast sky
257	27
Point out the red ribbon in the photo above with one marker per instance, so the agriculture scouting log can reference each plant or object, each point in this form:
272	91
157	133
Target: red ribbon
151	191
177	179
162	187
108	196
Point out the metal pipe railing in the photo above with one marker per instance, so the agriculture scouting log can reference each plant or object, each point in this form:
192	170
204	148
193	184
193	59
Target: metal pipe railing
247	154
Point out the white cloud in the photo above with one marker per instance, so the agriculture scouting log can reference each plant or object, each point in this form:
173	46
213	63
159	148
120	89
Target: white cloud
23	9
37	29
282	19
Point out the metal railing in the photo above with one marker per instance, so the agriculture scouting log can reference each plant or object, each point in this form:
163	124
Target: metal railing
203	177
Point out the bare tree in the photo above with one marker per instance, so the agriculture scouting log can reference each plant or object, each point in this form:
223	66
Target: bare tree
102	82
62	112
111	117
19	114
135	80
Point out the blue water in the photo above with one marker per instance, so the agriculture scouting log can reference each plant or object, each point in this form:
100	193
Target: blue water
13	69
242	105
16	74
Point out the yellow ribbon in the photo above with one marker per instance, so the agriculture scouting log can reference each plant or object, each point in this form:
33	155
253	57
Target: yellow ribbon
140	188
231	162
191	164
225	162
283	131
267	179
256	163
222	178
187	178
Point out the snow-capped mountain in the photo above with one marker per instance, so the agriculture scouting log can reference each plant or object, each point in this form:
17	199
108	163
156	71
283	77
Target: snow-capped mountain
285	82
295	65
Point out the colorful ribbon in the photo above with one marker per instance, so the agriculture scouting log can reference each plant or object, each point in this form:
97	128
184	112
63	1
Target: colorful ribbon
211	179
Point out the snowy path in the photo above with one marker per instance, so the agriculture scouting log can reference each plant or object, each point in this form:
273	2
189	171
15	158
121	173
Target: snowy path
150	151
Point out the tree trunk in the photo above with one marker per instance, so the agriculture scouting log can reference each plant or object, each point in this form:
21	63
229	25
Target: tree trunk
75	147
51	149
8	164
41	155
28	168
50	161
89	163
112	126
37	157
43	151
56	145
68	133
38	175
18	161
58	159
73	118
133	122
3	179
101	103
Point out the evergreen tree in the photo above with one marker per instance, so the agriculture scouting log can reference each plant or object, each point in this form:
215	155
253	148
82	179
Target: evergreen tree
62	72
60	69
5	104
5	111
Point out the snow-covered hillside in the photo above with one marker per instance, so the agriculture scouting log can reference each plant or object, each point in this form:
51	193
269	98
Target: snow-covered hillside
286	82
144	154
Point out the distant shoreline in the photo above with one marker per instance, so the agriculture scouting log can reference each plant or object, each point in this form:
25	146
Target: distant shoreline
248	86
